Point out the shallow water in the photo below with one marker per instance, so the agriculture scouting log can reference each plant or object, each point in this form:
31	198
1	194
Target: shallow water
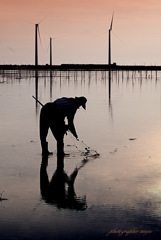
118	193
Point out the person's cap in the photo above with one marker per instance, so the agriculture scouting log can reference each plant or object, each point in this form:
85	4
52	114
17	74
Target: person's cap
82	101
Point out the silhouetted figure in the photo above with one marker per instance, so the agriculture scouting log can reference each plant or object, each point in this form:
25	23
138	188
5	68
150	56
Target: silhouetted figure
60	190
53	115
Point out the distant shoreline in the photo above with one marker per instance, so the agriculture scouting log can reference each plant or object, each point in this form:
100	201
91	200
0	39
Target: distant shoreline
82	67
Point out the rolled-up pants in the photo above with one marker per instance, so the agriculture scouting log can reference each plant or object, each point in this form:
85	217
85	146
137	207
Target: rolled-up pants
51	118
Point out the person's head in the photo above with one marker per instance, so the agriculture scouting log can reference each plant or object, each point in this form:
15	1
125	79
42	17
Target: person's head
81	101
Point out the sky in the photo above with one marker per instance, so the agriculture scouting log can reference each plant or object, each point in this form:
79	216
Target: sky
79	29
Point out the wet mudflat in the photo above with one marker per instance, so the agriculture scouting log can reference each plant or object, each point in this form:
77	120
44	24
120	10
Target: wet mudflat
116	195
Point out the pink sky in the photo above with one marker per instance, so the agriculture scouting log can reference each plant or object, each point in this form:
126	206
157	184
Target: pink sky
80	29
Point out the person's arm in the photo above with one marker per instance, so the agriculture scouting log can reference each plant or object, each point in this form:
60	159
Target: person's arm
71	126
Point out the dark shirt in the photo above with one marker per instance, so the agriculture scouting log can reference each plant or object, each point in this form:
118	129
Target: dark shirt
66	107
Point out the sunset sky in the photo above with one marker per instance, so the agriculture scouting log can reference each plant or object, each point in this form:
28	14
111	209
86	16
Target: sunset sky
80	31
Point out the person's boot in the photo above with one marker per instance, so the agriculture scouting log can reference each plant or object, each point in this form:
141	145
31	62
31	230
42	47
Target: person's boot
45	151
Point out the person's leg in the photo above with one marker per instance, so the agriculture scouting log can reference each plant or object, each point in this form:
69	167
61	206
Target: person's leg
59	136
44	126
60	146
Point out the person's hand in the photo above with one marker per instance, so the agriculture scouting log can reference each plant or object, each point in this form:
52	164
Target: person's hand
77	138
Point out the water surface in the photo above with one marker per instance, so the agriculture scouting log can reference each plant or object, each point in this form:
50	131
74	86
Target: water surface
120	190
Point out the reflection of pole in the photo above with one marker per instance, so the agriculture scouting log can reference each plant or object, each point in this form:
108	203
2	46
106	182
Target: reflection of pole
51	83
109	83
110	109
36	87
110	104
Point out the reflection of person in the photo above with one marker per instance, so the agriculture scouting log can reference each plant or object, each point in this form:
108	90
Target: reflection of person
60	190
53	115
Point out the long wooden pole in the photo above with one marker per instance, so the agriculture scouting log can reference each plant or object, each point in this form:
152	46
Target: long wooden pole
38	101
50	51
36	45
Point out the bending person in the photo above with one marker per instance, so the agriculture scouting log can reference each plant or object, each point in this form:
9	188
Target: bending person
53	116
